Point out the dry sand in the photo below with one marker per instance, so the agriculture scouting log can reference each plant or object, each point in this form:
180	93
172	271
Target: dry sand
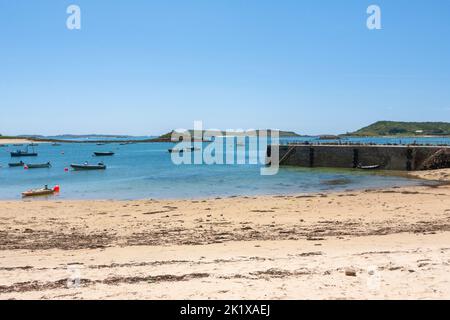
17	141
396	241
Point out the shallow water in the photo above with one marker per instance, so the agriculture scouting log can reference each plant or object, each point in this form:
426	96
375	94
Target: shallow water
139	171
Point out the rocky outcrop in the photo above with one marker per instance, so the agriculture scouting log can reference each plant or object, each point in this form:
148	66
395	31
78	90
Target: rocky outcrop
439	160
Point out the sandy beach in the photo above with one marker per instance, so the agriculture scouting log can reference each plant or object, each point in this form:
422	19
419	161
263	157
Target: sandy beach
392	244
17	141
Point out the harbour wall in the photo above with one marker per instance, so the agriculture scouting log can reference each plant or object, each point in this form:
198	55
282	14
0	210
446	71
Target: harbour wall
406	158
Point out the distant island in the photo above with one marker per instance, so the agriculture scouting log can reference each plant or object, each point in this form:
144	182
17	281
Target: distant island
168	136
393	128
377	129
100	138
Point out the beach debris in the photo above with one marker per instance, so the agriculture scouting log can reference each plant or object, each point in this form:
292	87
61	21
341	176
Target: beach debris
350	272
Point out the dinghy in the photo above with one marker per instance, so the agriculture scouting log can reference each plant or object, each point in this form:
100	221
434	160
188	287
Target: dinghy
40	192
38	165
175	150
103	154
189	149
86	166
16	164
372	167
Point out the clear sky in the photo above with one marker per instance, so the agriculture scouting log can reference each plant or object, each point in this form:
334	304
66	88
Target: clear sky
143	67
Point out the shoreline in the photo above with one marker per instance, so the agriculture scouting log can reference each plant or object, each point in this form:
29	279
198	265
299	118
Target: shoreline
272	247
428	178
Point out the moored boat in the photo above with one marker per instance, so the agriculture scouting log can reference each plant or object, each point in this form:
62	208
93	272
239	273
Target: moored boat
188	149
371	167
38	165
103	154
21	153
16	164
86	166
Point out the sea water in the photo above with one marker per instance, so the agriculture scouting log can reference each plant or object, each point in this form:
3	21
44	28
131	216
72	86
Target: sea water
145	170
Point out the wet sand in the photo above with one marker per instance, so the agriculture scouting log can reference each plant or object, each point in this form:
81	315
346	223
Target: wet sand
392	243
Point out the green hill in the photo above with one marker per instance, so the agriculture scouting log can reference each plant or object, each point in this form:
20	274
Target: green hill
392	128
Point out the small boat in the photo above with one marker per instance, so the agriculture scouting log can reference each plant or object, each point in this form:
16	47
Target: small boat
175	150
56	144
33	144
18	144
189	149
103	154
21	153
40	192
3	145
86	166
372	167
100	144
16	164
38	165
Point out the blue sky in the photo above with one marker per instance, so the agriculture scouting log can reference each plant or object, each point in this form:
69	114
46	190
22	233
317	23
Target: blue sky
144	67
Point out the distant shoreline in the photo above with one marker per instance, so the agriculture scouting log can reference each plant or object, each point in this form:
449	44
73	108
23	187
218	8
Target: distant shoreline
21	139
9	140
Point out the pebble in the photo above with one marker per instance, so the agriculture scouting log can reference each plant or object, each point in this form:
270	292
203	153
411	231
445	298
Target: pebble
350	272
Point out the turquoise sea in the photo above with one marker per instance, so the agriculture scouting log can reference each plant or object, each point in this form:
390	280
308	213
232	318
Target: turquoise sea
145	170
